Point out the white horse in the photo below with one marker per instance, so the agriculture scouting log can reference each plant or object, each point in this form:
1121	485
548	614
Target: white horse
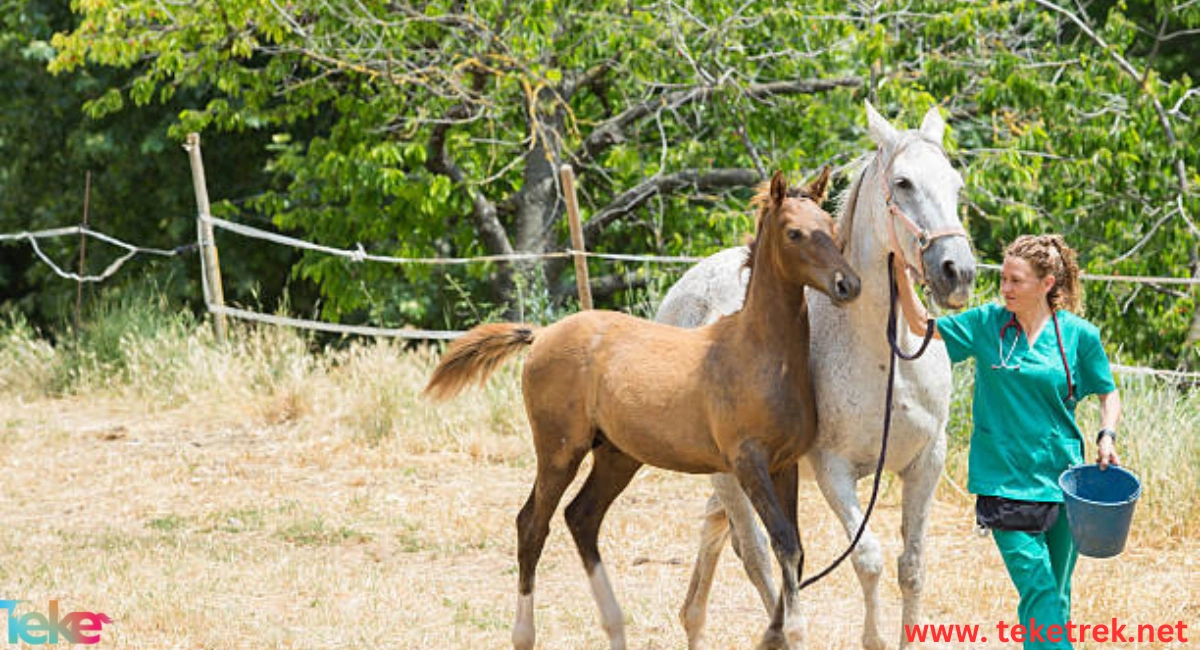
905	198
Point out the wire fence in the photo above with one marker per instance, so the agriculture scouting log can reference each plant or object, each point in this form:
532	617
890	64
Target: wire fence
1132	279
359	255
131	250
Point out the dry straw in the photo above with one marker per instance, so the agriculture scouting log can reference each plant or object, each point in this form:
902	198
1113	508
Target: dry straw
266	495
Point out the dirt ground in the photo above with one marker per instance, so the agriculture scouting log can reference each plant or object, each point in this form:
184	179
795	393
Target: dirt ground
214	527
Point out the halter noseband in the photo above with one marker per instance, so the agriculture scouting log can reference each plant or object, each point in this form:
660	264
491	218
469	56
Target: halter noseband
923	236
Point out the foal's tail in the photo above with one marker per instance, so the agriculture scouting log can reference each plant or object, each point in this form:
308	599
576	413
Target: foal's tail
475	356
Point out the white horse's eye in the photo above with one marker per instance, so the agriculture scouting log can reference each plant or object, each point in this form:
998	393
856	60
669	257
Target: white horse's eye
904	183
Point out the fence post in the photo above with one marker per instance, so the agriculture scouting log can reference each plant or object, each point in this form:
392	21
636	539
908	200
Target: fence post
581	270
87	197
210	264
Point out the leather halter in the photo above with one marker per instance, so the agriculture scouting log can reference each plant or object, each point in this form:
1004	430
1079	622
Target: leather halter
923	236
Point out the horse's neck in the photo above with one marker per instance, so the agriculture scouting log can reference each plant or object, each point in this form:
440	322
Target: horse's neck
871	266
774	313
868	252
863	211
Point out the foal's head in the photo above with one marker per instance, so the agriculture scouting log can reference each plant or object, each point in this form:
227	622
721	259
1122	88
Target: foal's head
800	239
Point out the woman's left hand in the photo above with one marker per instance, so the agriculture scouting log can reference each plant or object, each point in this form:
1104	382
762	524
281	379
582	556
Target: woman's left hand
1106	453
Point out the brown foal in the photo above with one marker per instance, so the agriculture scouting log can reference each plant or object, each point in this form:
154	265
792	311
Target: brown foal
735	396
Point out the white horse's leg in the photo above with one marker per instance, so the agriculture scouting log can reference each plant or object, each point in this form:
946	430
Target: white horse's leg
728	508
920	481
837	480
749	540
713	534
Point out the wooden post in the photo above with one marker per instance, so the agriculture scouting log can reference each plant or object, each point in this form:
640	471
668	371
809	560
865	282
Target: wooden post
87	197
581	270
210	264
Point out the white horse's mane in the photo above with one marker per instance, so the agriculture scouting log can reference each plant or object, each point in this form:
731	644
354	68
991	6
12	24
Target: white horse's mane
844	203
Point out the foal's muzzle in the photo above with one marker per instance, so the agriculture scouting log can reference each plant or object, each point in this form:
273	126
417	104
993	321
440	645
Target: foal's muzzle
844	288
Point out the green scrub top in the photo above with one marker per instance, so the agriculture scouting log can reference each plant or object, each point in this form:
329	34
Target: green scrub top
1024	432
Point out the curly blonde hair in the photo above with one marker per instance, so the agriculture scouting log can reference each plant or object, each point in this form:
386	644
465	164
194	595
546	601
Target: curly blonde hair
1050	255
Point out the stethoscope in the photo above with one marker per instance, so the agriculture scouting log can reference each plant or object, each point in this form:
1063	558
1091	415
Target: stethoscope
1004	360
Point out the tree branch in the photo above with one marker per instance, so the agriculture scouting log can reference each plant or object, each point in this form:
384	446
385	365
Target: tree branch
1125	65
483	211
587	78
1164	119
630	200
1179	34
613	131
604	286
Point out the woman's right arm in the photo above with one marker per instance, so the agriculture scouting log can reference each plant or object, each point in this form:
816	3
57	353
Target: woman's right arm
914	312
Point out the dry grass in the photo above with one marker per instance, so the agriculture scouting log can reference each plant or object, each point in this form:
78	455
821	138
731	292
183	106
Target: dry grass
264	497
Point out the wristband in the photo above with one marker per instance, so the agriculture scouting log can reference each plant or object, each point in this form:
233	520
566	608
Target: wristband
1106	432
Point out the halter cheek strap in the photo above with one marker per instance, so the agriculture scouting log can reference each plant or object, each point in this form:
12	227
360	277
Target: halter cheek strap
923	236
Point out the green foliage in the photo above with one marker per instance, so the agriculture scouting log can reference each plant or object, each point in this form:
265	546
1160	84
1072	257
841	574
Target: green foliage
434	128
56	129
127	335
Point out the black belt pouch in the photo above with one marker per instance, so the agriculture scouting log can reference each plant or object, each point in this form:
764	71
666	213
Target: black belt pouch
998	513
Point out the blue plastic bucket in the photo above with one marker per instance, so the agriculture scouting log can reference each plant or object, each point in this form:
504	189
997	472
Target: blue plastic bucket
1099	507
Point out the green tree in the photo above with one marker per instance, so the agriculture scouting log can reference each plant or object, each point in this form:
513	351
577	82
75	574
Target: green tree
141	186
437	128
447	124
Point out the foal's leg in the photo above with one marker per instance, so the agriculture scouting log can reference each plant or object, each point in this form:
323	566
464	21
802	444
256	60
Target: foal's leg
787	486
728	508
554	473
837	480
779	516
920	481
611	472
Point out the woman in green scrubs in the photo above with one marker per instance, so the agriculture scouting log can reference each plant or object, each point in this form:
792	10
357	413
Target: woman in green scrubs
1034	360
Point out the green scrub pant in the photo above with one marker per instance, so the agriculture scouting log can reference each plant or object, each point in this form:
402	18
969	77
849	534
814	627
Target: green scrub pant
1040	565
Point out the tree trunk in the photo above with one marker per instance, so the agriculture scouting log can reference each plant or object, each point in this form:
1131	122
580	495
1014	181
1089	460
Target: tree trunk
538	204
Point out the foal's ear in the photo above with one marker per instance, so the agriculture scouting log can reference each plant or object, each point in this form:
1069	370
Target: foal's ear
779	188
818	190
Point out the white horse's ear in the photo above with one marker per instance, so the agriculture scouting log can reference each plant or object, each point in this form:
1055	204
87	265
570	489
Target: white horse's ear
882	131
933	127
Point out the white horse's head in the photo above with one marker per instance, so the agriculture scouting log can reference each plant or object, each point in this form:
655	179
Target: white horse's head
919	189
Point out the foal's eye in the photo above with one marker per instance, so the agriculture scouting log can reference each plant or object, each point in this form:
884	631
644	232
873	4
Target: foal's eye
903	183
794	235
